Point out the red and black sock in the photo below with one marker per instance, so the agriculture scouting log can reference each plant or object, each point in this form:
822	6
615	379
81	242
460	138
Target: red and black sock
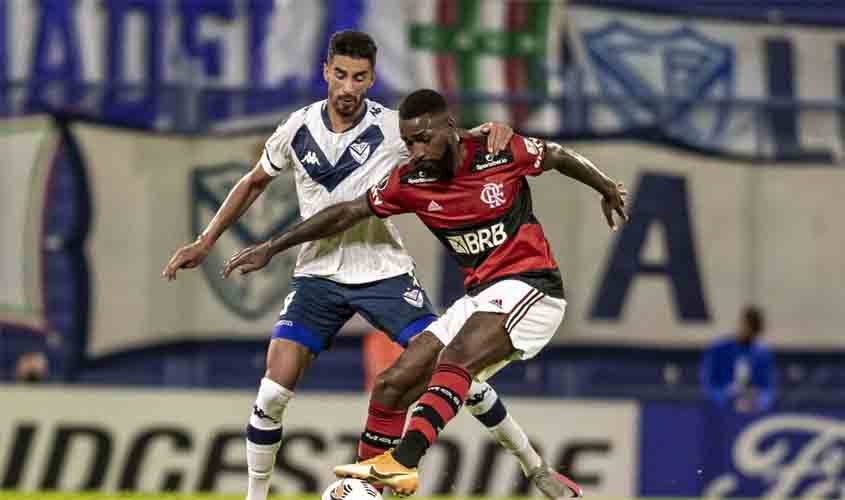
383	431
440	403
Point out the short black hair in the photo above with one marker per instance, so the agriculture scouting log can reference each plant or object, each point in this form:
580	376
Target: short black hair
420	102
755	318
353	44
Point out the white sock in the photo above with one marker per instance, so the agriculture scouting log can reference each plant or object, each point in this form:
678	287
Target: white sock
484	404
264	435
511	436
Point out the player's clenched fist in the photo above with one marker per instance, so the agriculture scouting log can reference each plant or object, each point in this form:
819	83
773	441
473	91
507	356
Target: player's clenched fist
187	257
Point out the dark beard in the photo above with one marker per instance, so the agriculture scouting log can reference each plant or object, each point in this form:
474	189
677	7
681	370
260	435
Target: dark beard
441	169
356	108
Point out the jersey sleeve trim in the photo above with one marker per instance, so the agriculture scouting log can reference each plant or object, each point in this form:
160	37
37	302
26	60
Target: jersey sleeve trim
378	213
270	162
268	166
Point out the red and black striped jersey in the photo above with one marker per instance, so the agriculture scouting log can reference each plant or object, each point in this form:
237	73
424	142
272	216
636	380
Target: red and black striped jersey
482	214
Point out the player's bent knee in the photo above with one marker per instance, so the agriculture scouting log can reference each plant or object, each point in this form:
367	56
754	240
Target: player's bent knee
286	362
455	354
266	419
392	383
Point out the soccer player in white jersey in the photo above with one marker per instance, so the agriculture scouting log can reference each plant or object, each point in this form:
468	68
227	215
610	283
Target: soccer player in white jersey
337	149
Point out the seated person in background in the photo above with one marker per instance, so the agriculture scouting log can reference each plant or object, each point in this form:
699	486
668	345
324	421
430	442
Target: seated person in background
31	367
738	370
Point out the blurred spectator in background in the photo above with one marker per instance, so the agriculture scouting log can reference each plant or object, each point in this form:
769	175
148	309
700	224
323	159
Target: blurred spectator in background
31	367
739	371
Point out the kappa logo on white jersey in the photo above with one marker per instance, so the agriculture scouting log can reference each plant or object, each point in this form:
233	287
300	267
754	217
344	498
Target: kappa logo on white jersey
360	151
311	158
433	206
492	194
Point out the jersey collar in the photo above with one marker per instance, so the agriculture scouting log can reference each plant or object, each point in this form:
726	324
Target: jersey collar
324	112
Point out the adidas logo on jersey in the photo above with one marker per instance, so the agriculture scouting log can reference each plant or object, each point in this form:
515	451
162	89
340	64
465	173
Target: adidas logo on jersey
497	303
311	158
434	207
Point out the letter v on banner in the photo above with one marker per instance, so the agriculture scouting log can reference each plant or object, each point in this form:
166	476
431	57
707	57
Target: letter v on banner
659	199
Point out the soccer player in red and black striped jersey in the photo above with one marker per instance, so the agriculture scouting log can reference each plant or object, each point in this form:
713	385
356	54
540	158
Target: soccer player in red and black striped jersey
479	206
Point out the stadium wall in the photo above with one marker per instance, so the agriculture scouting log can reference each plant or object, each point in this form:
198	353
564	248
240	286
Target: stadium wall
706	235
186	441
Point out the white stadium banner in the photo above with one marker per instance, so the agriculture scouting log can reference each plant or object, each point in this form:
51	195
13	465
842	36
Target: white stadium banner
28	147
186	441
707	235
152	193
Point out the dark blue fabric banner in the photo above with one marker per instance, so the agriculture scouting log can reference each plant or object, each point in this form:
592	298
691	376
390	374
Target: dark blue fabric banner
699	450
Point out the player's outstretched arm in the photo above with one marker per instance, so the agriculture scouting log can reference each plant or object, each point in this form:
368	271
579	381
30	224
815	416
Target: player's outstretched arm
327	222
580	168
239	199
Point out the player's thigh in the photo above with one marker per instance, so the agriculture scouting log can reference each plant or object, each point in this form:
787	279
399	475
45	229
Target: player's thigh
531	326
508	320
414	364
404	381
481	342
398	306
313	313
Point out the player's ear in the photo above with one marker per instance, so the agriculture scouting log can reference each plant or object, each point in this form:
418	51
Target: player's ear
326	71
451	121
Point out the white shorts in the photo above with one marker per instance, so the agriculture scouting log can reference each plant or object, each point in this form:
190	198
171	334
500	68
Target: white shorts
532	317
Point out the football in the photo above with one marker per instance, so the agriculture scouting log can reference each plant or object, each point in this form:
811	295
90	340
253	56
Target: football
351	489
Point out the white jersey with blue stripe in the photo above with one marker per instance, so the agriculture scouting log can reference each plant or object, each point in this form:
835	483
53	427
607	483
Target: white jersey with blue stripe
330	168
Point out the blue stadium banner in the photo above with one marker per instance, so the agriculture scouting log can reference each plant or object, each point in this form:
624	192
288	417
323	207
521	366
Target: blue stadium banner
821	12
697	450
708	75
718	84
